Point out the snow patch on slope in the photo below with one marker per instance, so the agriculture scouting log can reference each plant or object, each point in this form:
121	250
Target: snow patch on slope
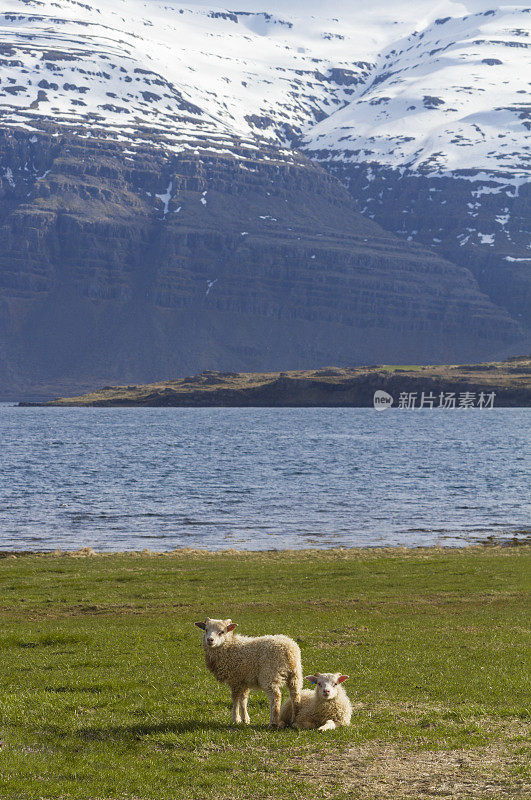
182	77
446	99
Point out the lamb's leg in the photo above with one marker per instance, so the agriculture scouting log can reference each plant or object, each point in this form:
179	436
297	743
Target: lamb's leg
243	706
303	722
328	726
274	707
236	696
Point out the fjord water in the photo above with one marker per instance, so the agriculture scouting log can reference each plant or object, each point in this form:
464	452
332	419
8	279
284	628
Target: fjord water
162	478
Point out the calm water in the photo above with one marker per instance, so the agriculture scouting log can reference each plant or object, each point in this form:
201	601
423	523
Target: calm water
119	479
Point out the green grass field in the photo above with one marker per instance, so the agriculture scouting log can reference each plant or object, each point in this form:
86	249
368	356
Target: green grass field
104	691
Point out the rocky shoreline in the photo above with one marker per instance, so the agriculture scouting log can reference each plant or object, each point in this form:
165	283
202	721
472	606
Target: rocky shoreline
498	384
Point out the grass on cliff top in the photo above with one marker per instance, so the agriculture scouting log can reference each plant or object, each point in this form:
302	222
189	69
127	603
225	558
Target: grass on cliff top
104	692
513	373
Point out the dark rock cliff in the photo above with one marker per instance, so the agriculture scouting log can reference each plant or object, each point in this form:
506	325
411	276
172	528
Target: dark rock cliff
122	266
479	224
479	386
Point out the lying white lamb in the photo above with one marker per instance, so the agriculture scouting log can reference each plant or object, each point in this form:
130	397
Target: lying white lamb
324	708
245	663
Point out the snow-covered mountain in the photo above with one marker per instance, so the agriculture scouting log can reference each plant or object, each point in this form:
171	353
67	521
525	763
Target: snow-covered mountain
435	144
447	99
409	98
114	110
193	75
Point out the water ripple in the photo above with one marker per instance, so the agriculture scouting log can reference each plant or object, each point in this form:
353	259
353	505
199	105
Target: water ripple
118	479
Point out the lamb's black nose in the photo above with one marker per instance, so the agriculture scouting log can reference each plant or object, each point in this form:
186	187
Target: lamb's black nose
210	640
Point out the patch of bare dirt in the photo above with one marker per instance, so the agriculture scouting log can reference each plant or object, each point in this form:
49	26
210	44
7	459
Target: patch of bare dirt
385	772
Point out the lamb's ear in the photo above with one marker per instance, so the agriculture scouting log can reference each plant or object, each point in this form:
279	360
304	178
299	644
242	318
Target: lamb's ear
232	626
342	678
311	678
200	625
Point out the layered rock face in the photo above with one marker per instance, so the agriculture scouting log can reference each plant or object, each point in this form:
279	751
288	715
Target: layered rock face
435	147
480	225
118	269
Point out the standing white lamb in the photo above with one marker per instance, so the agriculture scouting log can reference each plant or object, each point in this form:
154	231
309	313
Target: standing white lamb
245	663
324	708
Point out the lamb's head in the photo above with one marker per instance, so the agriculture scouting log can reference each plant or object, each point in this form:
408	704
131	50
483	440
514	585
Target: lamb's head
216	632
326	683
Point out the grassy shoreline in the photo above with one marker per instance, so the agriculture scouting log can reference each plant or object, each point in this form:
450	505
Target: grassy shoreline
105	693
521	538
